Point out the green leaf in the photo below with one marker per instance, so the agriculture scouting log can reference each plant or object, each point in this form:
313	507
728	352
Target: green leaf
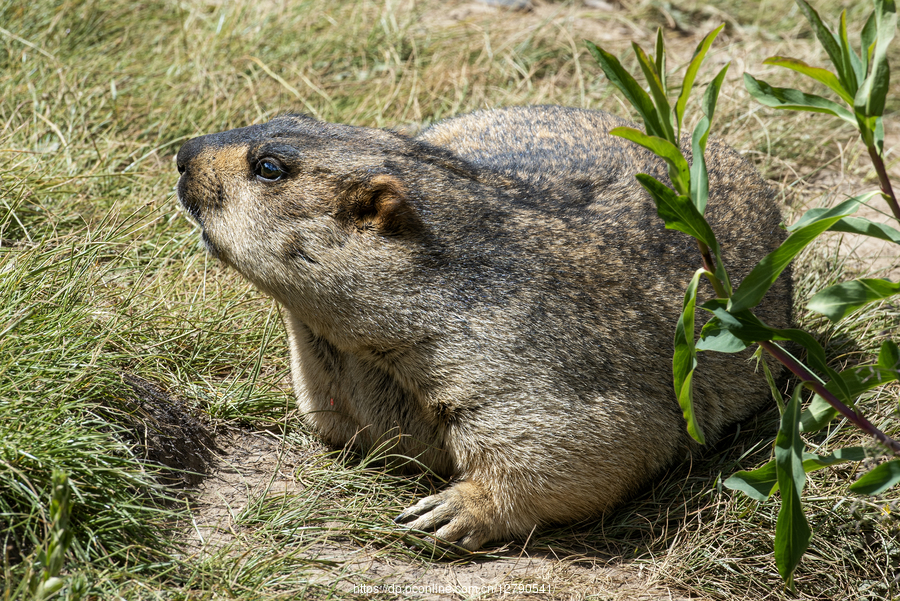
744	325
685	358
48	588
852	66
677	211
867	40
715	337
679	171
839	300
787	98
792	531
821	75
813	462
661	59
878	138
630	88
764	274
870	98
817	415
699	176
711	96
691	74
651	73
860	225
758	484
762	483
889	356
747	327
879	479
848	207
829	41
770	379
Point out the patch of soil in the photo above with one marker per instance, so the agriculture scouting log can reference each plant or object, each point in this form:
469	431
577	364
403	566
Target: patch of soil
248	465
251	464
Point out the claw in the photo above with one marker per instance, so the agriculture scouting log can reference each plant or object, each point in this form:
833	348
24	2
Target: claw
451	516
422	507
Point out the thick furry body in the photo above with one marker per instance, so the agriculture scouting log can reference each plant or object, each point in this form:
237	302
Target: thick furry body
496	298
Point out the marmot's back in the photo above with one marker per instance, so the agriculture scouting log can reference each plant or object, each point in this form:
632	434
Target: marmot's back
568	148
496	298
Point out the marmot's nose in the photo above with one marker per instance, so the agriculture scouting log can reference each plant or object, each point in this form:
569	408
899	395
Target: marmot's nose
188	151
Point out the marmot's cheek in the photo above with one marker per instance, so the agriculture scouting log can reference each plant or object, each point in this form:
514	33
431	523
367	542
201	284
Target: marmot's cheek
210	247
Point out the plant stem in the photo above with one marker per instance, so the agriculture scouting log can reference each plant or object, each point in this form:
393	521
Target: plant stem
886	187
802	372
709	264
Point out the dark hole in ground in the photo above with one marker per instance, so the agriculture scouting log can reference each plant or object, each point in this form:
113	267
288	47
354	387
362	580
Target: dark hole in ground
169	432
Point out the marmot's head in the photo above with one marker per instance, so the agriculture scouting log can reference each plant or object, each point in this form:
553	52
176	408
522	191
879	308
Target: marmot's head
329	219
295	195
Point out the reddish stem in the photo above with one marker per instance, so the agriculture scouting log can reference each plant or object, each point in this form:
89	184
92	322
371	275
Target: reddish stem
886	187
709	264
802	372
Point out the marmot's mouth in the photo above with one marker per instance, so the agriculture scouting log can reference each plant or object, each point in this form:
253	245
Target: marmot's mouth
192	208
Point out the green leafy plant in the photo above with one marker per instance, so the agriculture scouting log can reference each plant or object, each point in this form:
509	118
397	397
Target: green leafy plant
861	82
45	581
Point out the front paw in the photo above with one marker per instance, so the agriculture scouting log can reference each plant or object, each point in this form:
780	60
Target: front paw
463	514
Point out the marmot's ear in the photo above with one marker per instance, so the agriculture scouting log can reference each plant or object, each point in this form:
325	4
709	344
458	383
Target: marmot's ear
378	202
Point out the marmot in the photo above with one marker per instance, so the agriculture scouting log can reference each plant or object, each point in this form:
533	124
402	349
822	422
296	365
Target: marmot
496	298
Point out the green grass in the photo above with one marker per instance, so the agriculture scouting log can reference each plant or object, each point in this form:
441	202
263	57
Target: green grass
119	336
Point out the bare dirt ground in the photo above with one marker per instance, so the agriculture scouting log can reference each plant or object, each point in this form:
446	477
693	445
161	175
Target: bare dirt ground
252	464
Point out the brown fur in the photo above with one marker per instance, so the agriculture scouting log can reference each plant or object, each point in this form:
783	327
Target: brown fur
497	297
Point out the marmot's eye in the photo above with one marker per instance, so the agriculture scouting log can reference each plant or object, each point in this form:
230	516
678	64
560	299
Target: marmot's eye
268	170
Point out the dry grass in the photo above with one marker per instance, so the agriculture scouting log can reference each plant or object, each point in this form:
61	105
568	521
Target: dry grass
103	282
